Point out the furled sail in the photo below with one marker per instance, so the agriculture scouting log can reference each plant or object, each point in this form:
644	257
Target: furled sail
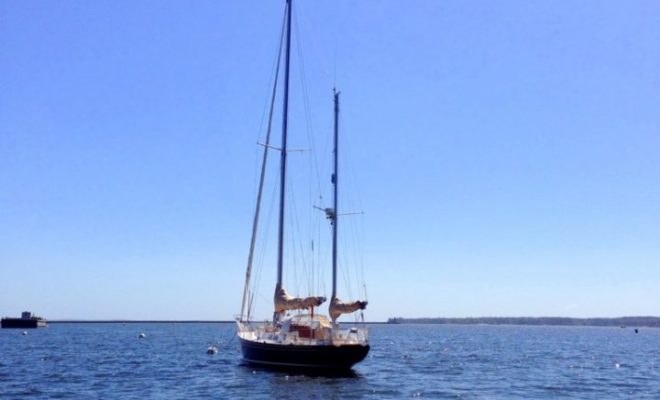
283	301
338	307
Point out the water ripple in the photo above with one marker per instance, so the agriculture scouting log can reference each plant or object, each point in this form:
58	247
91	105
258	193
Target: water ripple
73	361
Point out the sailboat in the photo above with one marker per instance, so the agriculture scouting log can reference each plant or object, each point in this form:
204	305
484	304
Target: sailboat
307	339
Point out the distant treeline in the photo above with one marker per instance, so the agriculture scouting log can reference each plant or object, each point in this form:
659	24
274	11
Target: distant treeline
622	321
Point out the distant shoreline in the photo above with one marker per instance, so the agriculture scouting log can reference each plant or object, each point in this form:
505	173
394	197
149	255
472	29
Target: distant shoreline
133	321
102	321
652	322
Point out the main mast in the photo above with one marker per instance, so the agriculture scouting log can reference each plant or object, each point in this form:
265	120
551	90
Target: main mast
285	111
335	186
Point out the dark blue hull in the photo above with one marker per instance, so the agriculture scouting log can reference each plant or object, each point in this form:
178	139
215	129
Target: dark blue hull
316	357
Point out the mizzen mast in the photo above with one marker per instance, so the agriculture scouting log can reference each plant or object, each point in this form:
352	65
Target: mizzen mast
338	307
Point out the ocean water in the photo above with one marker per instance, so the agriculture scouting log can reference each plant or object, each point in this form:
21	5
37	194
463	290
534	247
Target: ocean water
109	361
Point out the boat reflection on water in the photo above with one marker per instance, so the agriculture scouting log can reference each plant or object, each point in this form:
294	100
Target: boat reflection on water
288	372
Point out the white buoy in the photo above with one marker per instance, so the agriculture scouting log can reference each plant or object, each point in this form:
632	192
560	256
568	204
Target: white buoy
24	333
142	335
212	350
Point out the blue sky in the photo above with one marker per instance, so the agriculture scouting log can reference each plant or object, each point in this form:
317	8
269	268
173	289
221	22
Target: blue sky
507	153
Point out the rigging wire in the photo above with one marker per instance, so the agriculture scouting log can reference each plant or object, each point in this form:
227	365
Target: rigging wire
264	246
308	274
293	224
312	46
267	98
262	175
307	112
357	229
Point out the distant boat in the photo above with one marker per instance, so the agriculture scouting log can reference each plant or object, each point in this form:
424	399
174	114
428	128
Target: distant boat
306	340
27	320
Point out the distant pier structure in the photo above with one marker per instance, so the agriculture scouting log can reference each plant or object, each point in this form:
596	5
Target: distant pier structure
27	320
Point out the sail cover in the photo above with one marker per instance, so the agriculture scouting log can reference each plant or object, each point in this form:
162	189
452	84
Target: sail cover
283	301
338	307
